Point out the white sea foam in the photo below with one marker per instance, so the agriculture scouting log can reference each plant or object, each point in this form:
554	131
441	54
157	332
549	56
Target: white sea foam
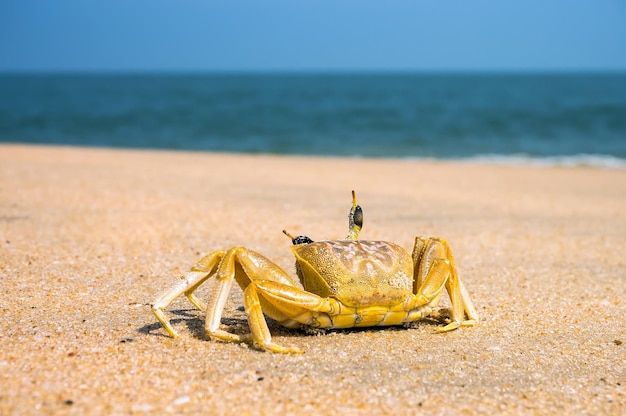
589	160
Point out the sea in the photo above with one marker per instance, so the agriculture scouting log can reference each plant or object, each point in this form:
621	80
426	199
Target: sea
531	118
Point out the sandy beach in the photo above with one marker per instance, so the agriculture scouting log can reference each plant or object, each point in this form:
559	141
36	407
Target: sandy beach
89	236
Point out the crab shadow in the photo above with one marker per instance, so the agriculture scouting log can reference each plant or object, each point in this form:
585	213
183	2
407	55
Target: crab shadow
194	320
433	322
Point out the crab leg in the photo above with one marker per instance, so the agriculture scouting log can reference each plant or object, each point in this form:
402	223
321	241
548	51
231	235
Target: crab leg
188	283
434	270
298	304
246	267
464	305
320	312
219	296
258	324
461	303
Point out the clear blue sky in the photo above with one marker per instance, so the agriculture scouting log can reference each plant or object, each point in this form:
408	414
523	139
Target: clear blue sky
285	35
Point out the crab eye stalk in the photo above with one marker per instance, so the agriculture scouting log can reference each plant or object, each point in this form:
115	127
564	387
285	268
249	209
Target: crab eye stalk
355	220
301	239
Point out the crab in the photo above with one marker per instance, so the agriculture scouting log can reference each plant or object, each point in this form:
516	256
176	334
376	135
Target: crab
345	283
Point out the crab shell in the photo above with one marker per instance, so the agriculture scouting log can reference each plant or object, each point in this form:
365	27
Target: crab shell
357	273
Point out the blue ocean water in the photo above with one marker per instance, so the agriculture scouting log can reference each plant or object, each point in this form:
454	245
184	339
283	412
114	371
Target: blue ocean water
534	118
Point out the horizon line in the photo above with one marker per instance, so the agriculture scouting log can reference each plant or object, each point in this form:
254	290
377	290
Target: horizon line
318	71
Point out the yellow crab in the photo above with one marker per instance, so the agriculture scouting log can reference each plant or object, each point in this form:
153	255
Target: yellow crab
347	283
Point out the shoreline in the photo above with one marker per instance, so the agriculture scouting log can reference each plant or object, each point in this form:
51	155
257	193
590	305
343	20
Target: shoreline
583	160
90	235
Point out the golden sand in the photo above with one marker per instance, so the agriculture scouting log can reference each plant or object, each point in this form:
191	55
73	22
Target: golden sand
89	236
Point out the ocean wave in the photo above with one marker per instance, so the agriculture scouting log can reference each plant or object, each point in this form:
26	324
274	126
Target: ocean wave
580	160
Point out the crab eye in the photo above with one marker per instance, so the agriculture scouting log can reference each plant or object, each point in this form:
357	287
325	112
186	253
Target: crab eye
301	239
358	216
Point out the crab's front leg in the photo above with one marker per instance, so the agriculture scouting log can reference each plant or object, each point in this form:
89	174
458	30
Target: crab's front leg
188	283
434	269
253	272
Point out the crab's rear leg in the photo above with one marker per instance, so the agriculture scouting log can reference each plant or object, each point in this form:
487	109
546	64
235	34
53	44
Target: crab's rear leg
188	283
461	304
434	269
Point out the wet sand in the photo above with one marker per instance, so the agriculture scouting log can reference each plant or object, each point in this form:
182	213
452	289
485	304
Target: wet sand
89	236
